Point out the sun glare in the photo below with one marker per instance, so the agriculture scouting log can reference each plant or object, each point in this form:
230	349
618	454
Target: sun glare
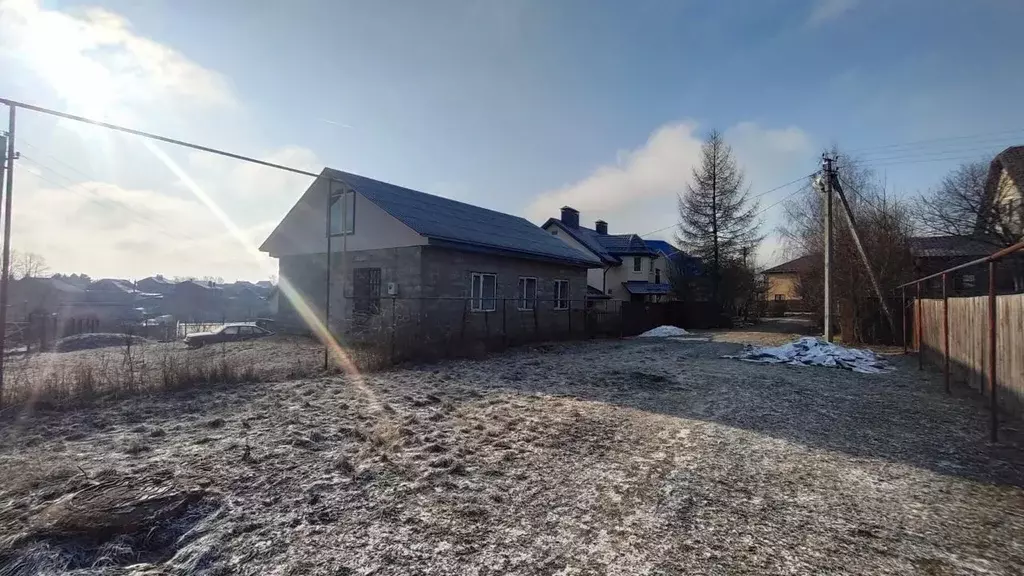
57	54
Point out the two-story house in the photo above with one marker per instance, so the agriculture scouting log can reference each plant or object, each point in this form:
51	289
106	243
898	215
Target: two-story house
630	269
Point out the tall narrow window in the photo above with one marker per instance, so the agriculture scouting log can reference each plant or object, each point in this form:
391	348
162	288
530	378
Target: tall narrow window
657	275
638	264
366	291
527	293
336	213
484	287
561	294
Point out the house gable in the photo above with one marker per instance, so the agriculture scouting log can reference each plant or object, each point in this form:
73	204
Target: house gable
304	229
390	216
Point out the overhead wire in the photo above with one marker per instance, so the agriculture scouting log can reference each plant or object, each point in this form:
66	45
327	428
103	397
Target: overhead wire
919	143
754	197
91	196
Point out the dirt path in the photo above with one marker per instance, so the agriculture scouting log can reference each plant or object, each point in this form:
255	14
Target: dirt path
606	457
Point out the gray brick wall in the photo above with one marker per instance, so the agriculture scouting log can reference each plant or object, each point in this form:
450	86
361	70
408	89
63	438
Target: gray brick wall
433	285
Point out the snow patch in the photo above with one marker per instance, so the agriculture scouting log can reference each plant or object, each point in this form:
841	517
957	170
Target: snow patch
663	332
810	351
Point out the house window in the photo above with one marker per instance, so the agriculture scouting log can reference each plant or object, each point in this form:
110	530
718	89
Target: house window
366	291
561	294
657	275
968	281
638	264
779	297
336	213
483	295
527	293
652	265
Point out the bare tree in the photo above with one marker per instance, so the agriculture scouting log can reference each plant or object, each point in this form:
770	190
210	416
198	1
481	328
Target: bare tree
27	265
885	227
959	206
718	220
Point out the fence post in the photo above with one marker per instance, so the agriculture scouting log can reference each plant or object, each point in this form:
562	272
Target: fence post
992	349
392	329
904	290
921	340
945	331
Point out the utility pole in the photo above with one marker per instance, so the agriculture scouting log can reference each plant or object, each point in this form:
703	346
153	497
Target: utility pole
826	167
5	274
327	286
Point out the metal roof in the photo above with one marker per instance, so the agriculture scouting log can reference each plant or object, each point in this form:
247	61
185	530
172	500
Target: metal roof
607	247
796	266
949	246
641	287
454	224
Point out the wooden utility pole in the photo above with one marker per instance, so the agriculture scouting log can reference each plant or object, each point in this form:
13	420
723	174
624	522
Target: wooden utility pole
826	167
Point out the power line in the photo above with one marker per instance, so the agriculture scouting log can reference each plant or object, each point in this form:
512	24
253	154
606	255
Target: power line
754	197
100	200
943	139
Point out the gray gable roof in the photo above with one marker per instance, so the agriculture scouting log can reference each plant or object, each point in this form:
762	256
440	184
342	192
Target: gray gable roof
459	225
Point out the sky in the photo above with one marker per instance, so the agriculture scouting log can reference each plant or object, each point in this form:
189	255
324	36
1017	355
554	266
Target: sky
521	106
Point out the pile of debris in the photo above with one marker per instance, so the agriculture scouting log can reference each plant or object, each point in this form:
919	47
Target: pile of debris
663	332
810	351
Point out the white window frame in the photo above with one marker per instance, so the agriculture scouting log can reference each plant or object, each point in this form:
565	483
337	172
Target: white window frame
561	300
638	264
477	300
335	214
524	300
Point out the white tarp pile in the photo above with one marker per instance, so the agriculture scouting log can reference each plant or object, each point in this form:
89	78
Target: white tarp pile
810	351
664	332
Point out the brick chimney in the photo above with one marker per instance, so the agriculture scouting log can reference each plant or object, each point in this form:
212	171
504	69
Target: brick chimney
602	227
570	217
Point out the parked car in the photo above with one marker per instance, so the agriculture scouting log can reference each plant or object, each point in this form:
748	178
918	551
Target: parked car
226	333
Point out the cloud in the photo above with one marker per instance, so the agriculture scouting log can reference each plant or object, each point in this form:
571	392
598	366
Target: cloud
105	229
638	191
828	10
98	65
660	167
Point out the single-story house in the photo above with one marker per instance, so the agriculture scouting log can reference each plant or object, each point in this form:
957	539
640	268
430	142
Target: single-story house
197	301
412	257
631	269
782	282
155	285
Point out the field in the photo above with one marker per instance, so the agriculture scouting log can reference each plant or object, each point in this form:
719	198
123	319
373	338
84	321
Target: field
602	457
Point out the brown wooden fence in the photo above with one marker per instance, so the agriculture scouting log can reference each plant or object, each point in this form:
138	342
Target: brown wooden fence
969	348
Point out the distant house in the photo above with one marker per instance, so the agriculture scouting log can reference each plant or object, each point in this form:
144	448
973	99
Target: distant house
631	268
446	263
156	285
42	295
1005	187
933	254
193	301
782	282
244	301
68	309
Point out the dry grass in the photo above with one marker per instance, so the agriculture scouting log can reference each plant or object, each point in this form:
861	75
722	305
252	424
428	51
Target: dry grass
640	457
57	380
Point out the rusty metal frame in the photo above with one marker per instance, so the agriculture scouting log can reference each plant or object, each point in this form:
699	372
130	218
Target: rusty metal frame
991	260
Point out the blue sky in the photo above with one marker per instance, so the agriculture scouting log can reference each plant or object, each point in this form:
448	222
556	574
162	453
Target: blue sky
515	105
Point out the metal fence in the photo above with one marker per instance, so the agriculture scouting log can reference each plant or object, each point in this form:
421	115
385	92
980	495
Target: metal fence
981	338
